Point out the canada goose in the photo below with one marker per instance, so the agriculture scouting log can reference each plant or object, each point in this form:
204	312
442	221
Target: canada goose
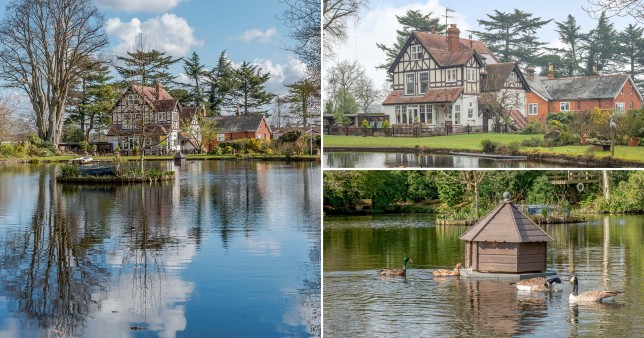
539	284
445	272
594	296
396	272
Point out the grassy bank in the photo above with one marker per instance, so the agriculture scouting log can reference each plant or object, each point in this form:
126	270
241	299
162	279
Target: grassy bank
199	157
472	142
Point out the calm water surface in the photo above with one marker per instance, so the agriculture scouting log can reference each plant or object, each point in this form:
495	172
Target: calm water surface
230	248
410	160
606	253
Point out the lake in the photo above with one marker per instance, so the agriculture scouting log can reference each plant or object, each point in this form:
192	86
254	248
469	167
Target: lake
229	248
413	160
605	253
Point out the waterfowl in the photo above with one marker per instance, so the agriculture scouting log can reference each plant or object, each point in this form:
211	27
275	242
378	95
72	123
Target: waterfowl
539	284
445	272
396	272
594	296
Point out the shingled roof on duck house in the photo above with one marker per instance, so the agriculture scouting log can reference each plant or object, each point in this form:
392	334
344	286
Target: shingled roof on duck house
507	241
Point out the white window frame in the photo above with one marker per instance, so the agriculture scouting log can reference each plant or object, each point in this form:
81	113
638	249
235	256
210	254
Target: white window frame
131	99
398	117
470	113
221	137
618	105
410	85
457	114
451	75
429	111
259	136
416	52
471	75
530	110
564	104
420	82
422	111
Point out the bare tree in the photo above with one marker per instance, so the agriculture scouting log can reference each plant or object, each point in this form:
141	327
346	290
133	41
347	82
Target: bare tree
13	126
498	101
366	93
336	13
42	45
302	17
632	8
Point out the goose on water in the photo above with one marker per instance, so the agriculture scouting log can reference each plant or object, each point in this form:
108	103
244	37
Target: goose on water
539	284
593	296
396	272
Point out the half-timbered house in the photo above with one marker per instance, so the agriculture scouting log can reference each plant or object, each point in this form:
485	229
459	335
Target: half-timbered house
437	81
145	113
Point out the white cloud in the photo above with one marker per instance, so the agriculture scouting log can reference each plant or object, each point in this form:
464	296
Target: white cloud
130	6
167	33
261	36
379	24
281	73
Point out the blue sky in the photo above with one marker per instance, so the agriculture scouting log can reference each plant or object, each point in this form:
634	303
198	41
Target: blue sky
247	29
378	24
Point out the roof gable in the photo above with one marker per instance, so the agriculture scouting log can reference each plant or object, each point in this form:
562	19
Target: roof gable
498	73
506	223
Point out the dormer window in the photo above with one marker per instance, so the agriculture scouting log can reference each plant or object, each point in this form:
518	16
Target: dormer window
410	84
416	52
451	75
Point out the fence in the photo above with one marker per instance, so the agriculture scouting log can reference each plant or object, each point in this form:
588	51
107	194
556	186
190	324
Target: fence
403	131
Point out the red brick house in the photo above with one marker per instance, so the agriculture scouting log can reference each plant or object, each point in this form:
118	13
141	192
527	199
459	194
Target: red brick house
582	93
239	127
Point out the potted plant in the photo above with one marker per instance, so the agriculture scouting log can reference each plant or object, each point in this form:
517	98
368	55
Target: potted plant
387	127
365	127
117	151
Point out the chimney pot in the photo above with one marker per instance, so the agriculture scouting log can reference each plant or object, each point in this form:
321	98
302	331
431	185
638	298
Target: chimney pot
453	41
551	71
157	92
595	72
530	73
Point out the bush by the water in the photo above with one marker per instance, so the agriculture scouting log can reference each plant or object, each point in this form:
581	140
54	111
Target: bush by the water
533	142
69	170
489	146
533	127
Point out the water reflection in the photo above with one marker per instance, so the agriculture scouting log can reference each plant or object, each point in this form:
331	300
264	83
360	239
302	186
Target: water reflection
415	160
606	251
213	251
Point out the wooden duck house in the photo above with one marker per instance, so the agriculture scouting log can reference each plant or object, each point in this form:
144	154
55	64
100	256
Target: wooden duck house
506	240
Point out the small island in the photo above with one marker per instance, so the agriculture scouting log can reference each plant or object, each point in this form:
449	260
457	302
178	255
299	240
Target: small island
110	174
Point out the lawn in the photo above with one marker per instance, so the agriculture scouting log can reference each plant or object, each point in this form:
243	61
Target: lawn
473	142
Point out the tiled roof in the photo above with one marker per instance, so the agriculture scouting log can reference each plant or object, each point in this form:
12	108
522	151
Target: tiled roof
435	95
585	87
238	123
506	223
187	113
165	101
439	42
496	75
536	86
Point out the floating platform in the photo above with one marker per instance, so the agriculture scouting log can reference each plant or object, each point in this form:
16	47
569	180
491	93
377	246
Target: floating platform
491	156
512	277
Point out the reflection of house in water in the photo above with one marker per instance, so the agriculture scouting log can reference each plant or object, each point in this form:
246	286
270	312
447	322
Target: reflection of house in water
497	309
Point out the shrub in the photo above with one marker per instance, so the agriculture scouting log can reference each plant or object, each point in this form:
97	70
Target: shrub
386	124
290	137
489	146
533	142
565	118
365	124
10	150
69	170
83	145
39	143
534	127
555	125
513	147
553	137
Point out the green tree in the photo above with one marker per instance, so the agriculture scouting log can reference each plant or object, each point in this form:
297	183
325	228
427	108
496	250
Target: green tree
513	36
299	94
411	21
570	34
195	71
250	95
92	98
601	45
146	66
222	82
632	51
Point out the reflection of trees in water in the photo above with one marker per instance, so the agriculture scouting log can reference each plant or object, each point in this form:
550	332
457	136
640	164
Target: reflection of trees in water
52	269
146	236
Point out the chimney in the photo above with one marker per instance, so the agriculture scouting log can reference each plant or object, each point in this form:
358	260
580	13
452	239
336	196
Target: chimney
595	72
433	30
551	72
203	109
471	42
157	91
452	38
237	112
530	73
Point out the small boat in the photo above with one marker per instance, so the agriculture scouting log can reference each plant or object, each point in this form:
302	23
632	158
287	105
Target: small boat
81	160
97	170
